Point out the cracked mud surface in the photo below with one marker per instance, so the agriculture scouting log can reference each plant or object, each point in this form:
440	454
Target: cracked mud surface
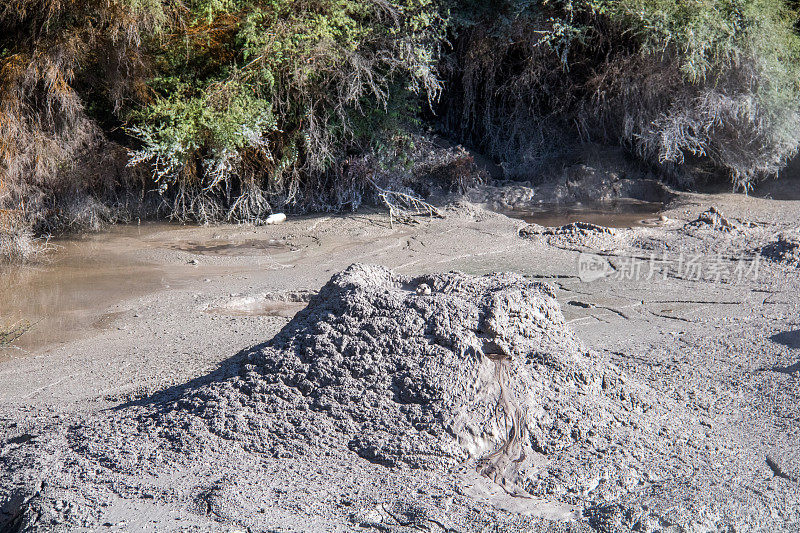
710	440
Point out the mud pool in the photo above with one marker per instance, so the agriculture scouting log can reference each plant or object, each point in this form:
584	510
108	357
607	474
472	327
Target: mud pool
73	291
617	214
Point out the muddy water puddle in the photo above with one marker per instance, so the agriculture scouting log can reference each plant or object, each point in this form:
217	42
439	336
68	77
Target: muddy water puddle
232	248
258	307
619	214
71	291
76	289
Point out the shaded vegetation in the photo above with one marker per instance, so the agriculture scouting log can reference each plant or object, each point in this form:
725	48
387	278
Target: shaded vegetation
693	87
229	109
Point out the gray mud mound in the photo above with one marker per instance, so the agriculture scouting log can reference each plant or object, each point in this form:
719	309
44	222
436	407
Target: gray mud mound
785	249
577	235
576	228
444	373
428	372
713	219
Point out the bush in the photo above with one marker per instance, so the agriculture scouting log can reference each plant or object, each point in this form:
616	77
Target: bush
231	106
17	242
693	87
258	101
63	68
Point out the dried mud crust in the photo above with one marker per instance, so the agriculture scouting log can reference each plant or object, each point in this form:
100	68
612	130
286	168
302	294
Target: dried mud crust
784	249
709	233
443	373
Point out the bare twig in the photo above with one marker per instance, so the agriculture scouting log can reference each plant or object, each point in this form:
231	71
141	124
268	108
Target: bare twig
404	205
9	334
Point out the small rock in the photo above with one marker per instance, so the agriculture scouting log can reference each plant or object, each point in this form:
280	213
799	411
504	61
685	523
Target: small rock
423	289
276	218
652	477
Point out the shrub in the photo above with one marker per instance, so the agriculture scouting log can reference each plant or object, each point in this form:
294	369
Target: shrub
232	106
64	66
17	242
259	100
697	85
226	109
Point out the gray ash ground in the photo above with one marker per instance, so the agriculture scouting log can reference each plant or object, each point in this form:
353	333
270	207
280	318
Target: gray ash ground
444	373
449	402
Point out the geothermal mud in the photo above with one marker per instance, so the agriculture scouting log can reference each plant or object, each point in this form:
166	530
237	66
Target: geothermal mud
444	372
408	399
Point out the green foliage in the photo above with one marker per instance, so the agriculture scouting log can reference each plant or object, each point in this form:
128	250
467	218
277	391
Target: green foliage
178	128
275	90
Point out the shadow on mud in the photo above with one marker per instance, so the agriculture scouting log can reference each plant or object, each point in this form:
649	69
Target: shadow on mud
790	339
162	399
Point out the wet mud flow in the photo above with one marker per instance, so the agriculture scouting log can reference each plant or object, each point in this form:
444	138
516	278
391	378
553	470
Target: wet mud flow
618	214
72	292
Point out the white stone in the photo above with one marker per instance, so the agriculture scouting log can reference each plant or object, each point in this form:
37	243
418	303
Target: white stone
276	218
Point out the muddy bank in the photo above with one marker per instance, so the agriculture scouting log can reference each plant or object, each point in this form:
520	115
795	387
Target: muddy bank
708	363
621	198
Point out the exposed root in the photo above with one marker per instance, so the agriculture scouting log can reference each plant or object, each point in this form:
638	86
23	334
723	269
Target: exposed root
403	205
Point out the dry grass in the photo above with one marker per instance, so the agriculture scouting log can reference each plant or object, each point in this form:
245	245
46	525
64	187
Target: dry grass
17	242
11	332
19	246
54	158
